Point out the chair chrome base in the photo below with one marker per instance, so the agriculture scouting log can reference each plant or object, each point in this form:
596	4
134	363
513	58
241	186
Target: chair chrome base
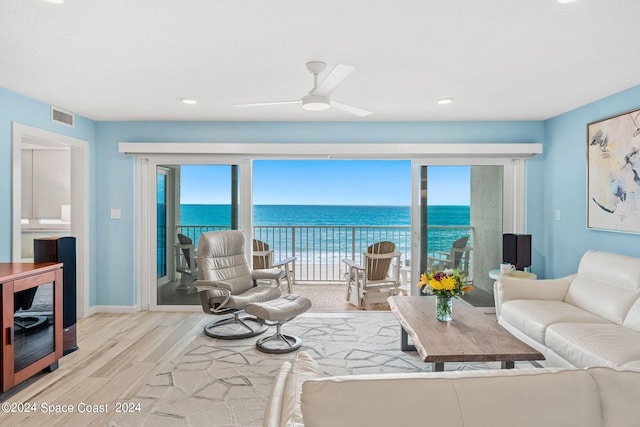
235	327
278	343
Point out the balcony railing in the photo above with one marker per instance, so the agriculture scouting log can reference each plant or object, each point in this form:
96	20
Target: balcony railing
320	249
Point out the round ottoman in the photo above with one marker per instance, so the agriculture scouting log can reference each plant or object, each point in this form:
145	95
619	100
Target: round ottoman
277	312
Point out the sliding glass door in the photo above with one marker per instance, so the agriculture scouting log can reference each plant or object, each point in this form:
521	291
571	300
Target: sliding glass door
191	194
191	199
460	214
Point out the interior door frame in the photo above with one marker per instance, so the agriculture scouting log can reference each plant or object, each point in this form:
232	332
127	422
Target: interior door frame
79	201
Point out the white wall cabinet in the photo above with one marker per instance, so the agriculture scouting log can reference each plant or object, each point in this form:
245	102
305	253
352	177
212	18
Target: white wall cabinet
46	183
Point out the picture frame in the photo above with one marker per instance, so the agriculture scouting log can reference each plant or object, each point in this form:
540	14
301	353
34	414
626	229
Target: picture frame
613	173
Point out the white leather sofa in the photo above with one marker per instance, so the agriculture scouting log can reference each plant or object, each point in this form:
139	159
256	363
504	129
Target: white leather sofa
550	397
591	318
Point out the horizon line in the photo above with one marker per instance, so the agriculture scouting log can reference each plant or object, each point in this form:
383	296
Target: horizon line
310	204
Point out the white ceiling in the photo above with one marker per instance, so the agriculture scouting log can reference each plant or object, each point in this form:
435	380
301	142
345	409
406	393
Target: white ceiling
498	59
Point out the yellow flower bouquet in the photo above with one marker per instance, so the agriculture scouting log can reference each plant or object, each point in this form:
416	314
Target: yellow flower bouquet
445	284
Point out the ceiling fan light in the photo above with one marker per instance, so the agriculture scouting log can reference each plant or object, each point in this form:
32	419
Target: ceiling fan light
315	106
315	102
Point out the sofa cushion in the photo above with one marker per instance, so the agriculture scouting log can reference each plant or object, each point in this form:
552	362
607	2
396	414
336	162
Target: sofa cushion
583	344
607	284
303	368
379	401
532	317
632	366
632	321
567	398
608	267
619	391
499	398
605	299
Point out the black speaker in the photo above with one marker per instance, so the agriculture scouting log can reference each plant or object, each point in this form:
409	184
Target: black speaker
516	249
62	249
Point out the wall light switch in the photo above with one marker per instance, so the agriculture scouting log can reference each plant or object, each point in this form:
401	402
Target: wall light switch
116	214
558	215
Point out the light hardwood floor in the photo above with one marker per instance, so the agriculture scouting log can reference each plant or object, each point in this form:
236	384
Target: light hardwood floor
117	353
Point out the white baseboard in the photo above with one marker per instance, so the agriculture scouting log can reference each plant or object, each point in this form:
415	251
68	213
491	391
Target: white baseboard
112	309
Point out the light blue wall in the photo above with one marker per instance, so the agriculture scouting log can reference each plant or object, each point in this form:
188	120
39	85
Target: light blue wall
116	172
555	180
18	108
562	174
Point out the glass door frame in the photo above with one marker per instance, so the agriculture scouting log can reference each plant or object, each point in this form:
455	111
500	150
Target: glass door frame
513	189
150	154
169	196
146	219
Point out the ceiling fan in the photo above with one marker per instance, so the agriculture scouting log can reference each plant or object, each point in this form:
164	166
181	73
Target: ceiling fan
319	98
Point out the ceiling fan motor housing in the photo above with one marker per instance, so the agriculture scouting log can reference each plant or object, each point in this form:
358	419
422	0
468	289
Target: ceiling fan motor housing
316	67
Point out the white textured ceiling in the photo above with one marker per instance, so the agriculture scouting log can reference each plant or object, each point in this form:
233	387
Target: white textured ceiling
498	59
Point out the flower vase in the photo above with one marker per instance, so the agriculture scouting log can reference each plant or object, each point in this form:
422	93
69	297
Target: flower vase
443	308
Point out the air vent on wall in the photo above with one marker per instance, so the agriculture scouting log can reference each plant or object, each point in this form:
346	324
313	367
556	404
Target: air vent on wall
62	117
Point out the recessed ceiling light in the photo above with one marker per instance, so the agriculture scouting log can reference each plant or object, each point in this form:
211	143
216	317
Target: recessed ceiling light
566	1
54	1
443	101
189	101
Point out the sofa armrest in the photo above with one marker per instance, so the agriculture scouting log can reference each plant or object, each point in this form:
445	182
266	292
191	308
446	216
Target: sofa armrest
283	406
510	288
273	412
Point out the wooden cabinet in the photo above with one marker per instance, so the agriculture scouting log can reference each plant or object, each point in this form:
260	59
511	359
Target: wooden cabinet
31	322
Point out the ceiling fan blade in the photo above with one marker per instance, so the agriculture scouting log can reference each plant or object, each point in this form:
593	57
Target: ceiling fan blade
265	104
350	109
339	73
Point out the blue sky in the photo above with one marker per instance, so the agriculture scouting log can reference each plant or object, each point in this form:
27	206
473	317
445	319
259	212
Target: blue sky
326	182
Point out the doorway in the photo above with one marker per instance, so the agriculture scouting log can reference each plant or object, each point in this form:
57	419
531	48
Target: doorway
510	156
484	197
190	199
461	214
75	213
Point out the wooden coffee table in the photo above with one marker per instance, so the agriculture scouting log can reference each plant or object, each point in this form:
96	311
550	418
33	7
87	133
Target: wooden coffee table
471	336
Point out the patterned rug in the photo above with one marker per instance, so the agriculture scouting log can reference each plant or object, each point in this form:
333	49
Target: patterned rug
227	382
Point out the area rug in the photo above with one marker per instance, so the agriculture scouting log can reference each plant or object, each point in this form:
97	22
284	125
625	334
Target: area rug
227	382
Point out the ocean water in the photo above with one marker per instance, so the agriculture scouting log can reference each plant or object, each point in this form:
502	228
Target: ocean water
342	231
324	215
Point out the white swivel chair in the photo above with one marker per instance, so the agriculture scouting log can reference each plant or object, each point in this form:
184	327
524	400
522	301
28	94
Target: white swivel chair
226	285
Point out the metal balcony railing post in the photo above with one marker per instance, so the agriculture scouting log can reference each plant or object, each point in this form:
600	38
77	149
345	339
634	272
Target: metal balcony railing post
353	243
293	248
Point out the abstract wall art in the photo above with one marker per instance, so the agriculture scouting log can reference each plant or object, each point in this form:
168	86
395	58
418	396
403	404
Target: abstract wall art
613	169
